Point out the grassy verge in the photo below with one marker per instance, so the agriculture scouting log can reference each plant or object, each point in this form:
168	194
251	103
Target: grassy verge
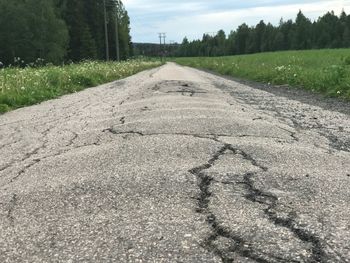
28	86
323	71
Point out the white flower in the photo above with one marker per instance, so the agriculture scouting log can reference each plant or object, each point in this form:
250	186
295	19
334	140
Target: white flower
280	68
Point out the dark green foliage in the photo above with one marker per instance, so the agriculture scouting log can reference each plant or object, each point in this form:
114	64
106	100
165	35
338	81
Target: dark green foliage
30	30
85	19
60	30
4	108
329	31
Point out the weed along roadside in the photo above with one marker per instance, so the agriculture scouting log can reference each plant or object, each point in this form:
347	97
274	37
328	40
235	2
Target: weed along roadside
322	71
24	87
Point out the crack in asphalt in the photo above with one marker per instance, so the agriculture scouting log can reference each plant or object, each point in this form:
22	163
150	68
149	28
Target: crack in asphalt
293	135
123	101
12	204
122	120
185	91
337	142
182	87
8	144
209	136
32	153
241	246
26	157
42	158
35	161
24	169
71	141
265	198
203	207
205	136
111	130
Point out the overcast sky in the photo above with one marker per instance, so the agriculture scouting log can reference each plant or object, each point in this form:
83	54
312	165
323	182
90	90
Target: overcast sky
192	18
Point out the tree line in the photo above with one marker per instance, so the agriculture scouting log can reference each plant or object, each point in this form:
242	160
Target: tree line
56	31
328	31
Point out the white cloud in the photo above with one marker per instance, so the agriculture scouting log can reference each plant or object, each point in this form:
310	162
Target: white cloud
193	18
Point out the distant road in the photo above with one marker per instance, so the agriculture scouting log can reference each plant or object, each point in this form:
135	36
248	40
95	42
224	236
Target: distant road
175	165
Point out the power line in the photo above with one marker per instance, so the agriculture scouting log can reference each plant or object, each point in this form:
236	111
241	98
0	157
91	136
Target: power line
162	36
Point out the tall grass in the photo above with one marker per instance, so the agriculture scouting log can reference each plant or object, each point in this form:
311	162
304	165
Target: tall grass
324	71
28	86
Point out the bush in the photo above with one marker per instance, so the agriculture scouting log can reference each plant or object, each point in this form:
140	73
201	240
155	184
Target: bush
4	108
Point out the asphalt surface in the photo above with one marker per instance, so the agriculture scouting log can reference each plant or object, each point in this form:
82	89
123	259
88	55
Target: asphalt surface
175	165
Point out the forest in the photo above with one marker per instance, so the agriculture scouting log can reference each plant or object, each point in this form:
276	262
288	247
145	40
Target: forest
328	31
35	32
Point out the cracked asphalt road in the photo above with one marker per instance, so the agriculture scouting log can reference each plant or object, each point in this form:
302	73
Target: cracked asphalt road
175	165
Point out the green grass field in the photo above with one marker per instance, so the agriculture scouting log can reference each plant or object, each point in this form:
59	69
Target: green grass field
28	86
323	71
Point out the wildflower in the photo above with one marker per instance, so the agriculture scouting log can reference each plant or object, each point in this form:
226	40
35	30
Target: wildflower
338	92
280	68
23	88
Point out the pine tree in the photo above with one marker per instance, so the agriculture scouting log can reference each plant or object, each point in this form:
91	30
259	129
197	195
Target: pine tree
346	37
30	30
302	34
242	36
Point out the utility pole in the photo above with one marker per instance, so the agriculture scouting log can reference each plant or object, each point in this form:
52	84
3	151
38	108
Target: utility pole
160	39
161	36
164	47
164	36
117	33
106	30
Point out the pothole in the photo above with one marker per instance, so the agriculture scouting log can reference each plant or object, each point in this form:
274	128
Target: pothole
184	88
